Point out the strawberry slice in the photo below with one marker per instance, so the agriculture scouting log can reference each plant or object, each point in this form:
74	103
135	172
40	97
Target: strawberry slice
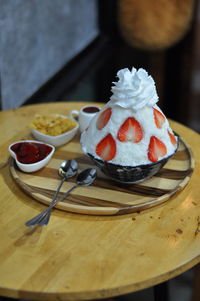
159	118
103	118
106	148
130	130
172	138
157	149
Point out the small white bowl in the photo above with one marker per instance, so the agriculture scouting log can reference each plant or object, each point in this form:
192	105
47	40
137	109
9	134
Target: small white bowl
56	140
33	166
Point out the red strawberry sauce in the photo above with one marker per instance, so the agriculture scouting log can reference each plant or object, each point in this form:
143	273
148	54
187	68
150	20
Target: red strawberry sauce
30	152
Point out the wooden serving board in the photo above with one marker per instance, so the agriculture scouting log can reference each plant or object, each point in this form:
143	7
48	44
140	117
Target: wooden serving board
106	197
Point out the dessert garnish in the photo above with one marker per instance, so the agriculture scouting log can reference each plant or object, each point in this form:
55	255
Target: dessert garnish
159	118
156	149
52	124
130	130
103	118
106	148
30	152
172	138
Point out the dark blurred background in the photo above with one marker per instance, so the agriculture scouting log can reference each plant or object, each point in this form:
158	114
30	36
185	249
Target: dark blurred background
71	51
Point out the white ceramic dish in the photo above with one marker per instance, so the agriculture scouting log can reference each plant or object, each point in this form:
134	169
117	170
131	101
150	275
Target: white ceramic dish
56	140
33	166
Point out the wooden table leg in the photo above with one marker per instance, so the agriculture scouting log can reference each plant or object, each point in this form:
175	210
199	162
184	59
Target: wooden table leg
196	284
161	292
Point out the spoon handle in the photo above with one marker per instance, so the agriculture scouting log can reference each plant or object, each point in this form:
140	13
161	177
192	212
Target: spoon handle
43	219
37	219
57	192
68	192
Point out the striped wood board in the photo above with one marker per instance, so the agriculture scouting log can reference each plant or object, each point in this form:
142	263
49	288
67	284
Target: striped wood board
105	197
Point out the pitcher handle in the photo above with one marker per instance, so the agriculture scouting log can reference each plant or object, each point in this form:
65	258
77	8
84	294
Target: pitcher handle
74	112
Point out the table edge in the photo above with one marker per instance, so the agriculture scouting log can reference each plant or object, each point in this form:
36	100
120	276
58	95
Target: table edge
99	294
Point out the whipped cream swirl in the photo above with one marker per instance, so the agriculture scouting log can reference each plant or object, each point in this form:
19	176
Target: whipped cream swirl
135	89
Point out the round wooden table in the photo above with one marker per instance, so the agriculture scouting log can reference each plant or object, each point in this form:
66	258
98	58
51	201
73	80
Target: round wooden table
79	256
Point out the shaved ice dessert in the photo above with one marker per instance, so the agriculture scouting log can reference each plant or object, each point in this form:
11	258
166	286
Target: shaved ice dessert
130	139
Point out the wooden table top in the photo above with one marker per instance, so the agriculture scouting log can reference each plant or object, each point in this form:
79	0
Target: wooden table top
79	256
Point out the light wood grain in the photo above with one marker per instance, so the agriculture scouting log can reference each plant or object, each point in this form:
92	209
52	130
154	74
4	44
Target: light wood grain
106	197
79	256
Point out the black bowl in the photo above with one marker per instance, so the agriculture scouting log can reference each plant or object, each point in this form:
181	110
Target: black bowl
130	174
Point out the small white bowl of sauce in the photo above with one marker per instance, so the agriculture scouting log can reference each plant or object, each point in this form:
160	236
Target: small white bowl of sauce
31	155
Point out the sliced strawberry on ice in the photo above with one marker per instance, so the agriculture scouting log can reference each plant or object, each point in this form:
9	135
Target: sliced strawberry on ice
106	148
157	149
103	118
130	130
172	138
159	118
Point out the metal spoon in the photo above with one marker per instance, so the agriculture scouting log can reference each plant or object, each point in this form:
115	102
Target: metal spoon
66	170
85	178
